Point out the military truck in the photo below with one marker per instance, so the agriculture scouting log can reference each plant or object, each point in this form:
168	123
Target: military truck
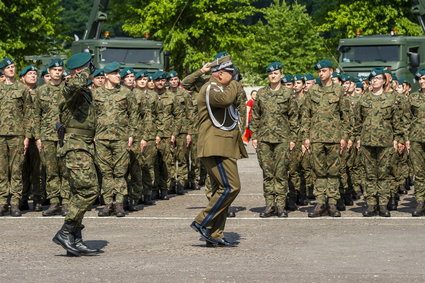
403	55
139	53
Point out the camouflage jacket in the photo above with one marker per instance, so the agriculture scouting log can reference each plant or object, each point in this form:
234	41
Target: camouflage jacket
377	120
146	128
46	111
416	128
116	113
183	123
325	115
15	109
166	111
275	116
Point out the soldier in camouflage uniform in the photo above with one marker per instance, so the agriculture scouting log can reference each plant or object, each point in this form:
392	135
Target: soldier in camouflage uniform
46	115
98	78
326	128
274	133
378	125
78	118
15	106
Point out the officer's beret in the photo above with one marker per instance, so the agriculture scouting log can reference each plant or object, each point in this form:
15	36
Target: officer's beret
394	77
359	85
111	67
362	78
158	75
44	72
375	72
141	74
403	81
222	63
273	67
221	55
299	77
308	77
335	75
151	77
98	72
172	74
420	73
66	73
287	79
89	82
346	77
57	62
26	70
6	62
126	71
78	60
323	64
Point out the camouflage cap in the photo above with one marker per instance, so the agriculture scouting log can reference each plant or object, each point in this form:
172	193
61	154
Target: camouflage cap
78	60
274	67
299	77
172	74
27	69
57	62
111	67
308	77
98	73
323	64
126	71
287	79
44	72
223	63
420	73
6	62
359	85
141	74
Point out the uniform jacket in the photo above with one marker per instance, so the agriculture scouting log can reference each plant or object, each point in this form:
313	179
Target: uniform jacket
146	128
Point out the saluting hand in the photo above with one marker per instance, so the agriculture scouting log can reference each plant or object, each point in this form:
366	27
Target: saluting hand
188	140
130	141
342	143
38	144
143	145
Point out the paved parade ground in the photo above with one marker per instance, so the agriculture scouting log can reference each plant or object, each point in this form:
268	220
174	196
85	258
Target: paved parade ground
156	244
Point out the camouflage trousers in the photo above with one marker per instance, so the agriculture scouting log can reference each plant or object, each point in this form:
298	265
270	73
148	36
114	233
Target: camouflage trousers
181	156
165	165
146	161
377	166
82	177
225	188
399	171
31	172
355	170
134	174
274	161
57	185
417	159
113	161
11	162
326	164
295	177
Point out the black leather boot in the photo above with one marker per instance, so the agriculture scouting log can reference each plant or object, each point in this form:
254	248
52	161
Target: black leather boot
119	210
164	195
147	200
318	211
419	210
4	209
333	211
383	211
81	246
301	199
179	189
132	205
340	205
37	206
281	212
370	211
392	204
14	210
268	211
106	211
54	209
290	204
64	209
348	200
65	238
23	205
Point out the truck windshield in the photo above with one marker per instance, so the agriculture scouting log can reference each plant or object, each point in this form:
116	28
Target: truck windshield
130	55
359	54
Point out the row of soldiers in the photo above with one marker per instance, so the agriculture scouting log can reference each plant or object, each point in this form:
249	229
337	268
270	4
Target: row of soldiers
340	135
145	137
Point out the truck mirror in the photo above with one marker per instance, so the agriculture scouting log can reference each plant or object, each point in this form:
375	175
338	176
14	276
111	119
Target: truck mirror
166	60
414	59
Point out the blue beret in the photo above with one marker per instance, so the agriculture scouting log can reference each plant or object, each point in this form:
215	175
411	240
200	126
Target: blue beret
172	74
111	67
323	64
142	74
6	62
359	85
158	75
78	60
273	67
299	77
288	79
336	75
420	73
220	55
57	62
26	70
308	77
126	71
375	72
98	72
44	72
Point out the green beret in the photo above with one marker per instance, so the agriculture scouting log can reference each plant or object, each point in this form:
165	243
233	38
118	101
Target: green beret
158	75
363	78
403	81
98	73
298	77
420	73
375	72
126	71
27	69
287	79
308	77
141	74
44	72
335	75
346	77
57	62
6	62
172	74
359	85
323	64
151	77
111	67
273	67
221	55
78	60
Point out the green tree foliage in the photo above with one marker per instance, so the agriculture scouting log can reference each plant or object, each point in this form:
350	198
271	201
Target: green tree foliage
28	27
192	30
74	16
288	36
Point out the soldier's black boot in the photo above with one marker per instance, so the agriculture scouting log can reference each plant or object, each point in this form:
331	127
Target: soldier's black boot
4	209
281	212
179	189
402	189
119	210
268	211
348	200
65	238
290	204
357	195
54	209
164	195
383	211
392	204
132	205
23	205
301	199
419	210
147	200
64	209
195	186
106	211
202	179
37	206
231	212
340	205
14	210
318	211
370	211
81	246
333	211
